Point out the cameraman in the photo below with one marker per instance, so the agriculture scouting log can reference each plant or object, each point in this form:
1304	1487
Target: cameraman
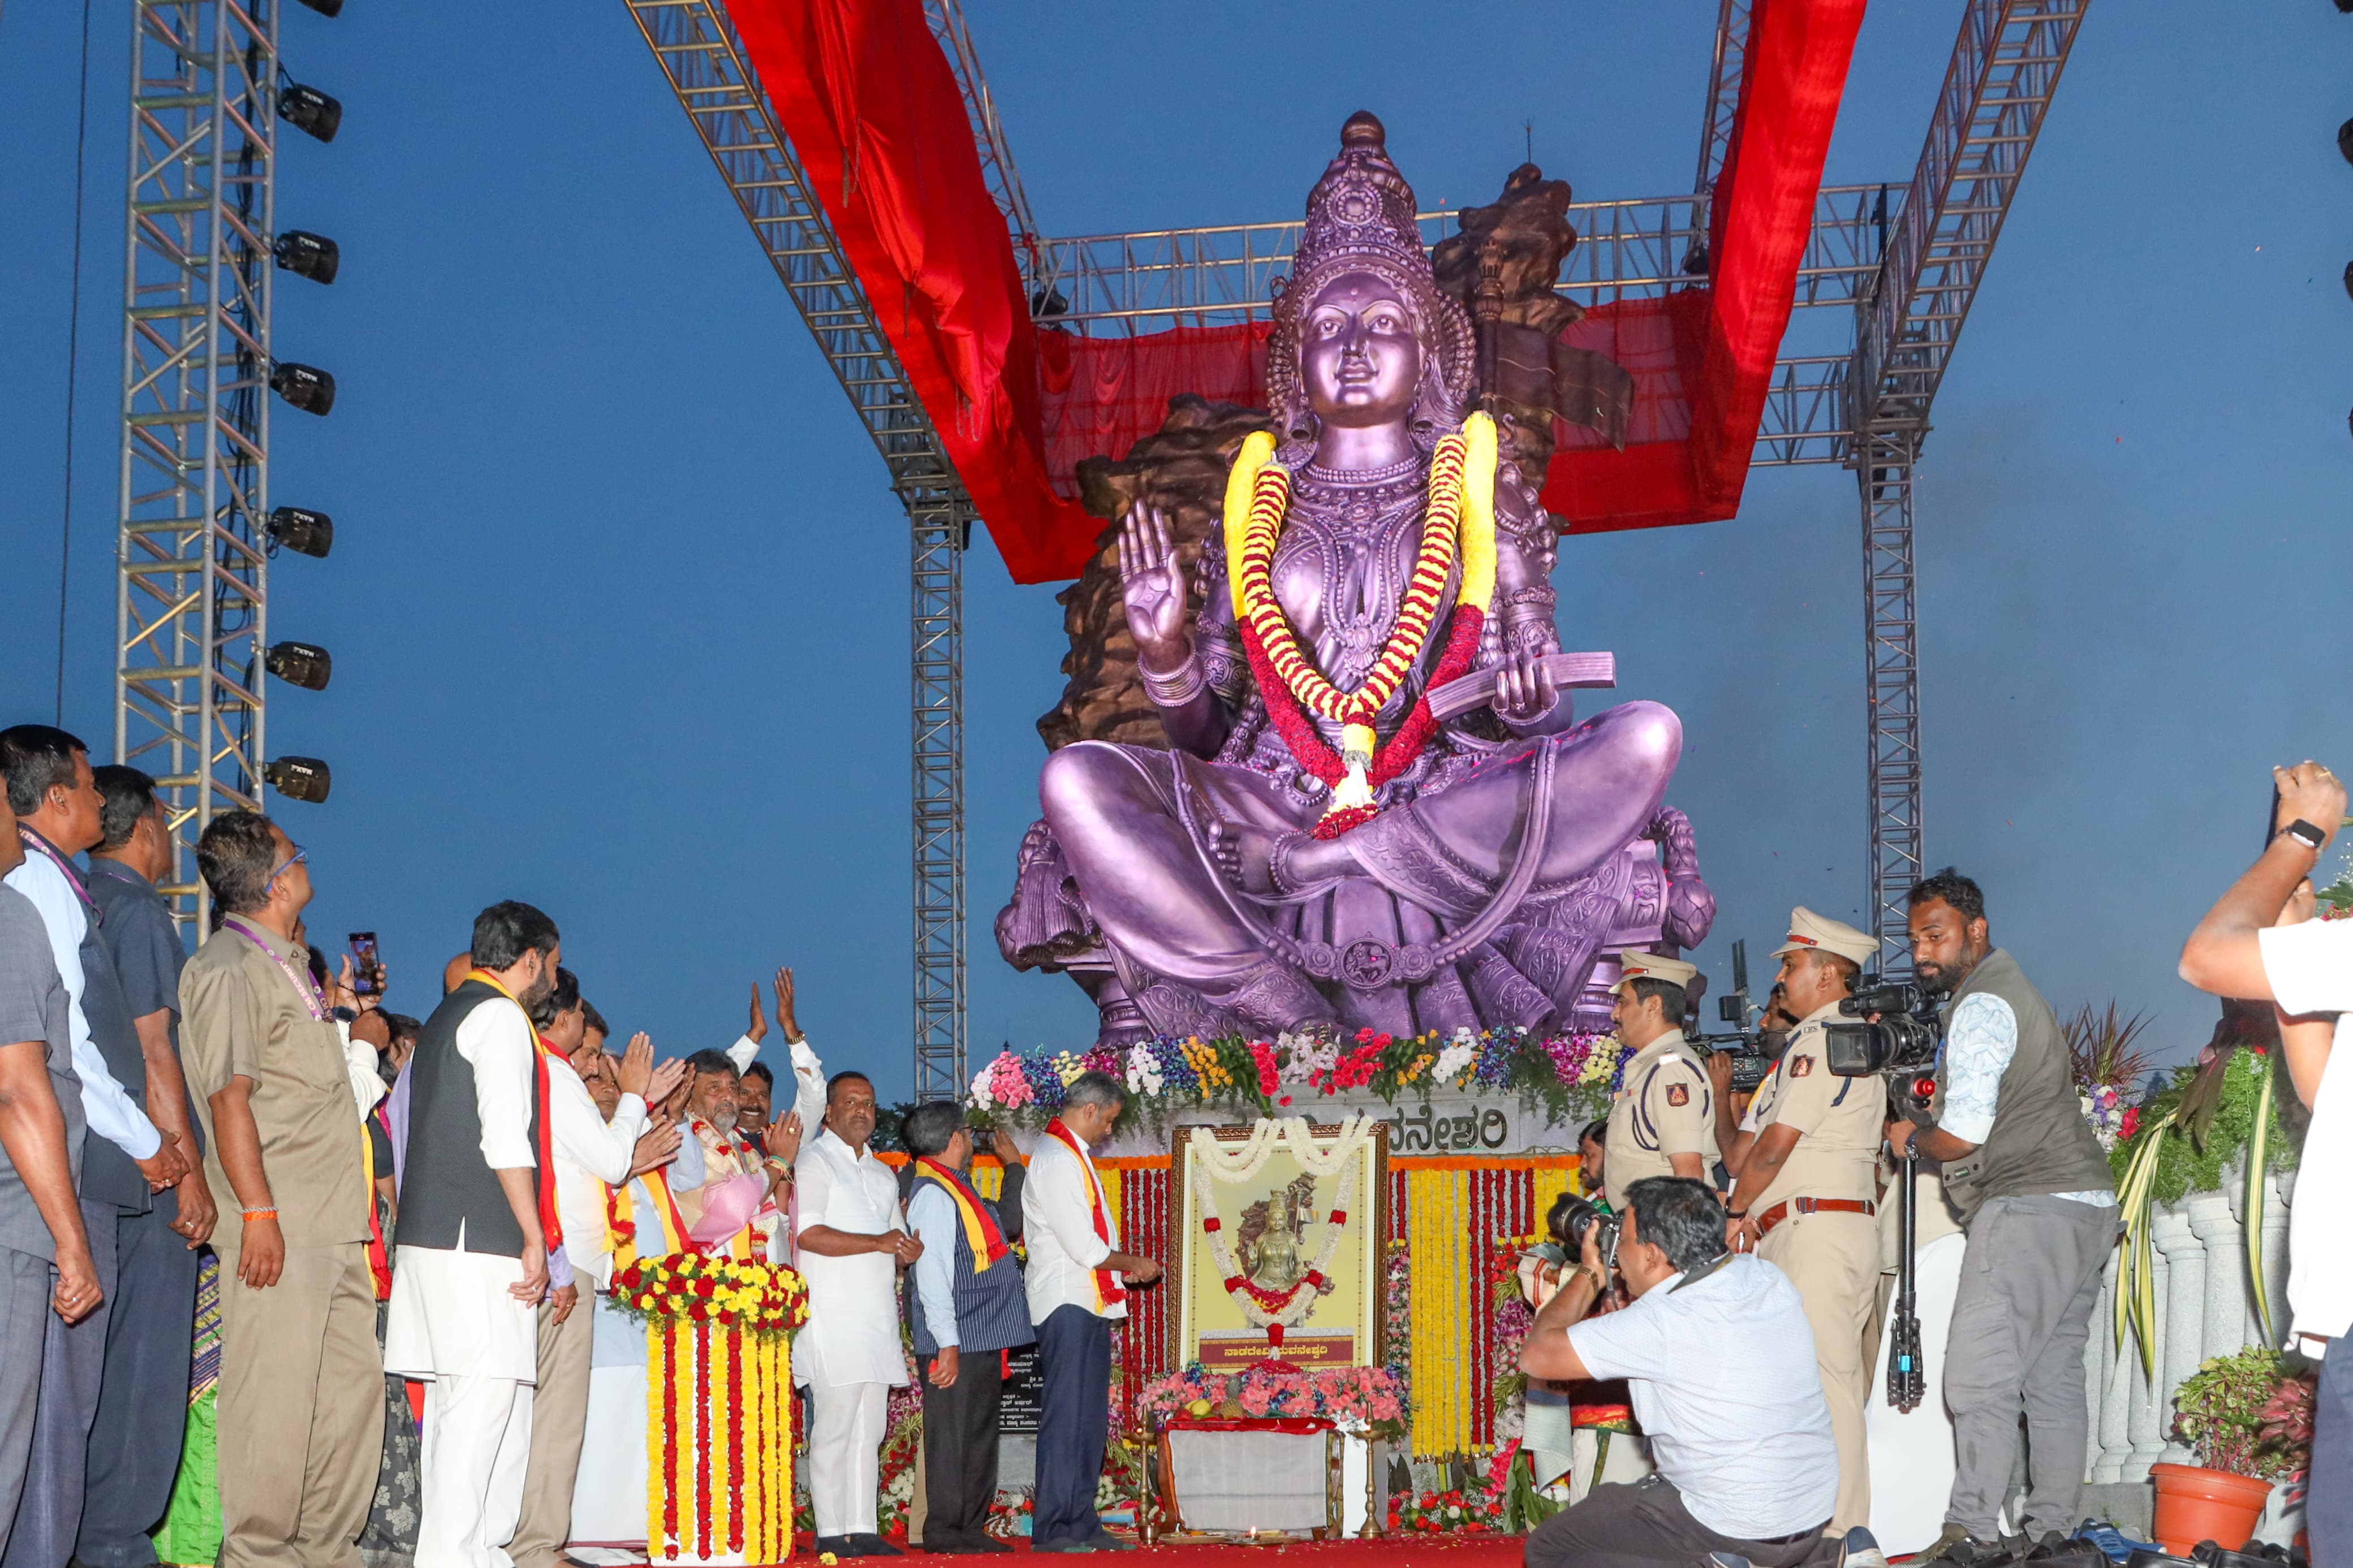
1661	1123
1806	1184
1718	1364
2039	1208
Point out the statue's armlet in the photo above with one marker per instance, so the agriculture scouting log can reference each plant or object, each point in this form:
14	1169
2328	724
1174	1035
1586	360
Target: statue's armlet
1215	639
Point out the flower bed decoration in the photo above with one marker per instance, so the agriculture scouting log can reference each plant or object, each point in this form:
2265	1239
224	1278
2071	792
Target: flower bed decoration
1366	1400
1571	1075
1479	1513
719	1415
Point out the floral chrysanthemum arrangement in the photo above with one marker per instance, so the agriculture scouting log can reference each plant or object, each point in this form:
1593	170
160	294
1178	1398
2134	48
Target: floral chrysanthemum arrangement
1355	1398
726	1292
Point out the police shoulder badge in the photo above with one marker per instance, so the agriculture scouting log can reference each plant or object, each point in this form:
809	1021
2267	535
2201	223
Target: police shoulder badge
1678	1094
1800	1065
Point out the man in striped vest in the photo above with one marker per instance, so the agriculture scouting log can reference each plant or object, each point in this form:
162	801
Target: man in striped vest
968	1309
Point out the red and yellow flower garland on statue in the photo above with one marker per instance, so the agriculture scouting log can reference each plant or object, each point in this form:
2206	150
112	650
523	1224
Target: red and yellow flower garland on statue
1460	525
719	1403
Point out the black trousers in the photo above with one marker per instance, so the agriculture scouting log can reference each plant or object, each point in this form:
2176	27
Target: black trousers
49	1515
1646	1523
1073	1420
960	1450
142	1399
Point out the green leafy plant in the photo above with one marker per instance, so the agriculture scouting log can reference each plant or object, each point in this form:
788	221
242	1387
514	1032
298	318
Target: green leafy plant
2220	1409
2170	1156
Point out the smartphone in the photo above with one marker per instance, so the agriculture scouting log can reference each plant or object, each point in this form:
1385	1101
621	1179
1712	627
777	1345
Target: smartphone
367	970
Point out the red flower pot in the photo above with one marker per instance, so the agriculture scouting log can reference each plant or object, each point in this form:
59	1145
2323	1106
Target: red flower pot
2195	1505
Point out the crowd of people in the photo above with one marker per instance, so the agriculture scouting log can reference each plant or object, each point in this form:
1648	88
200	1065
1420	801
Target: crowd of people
1753	1242
445	1202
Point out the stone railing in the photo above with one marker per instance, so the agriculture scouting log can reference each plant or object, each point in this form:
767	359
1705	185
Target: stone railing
2205	1306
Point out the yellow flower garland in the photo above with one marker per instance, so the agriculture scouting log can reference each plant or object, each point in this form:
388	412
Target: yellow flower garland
1437	1282
1459	522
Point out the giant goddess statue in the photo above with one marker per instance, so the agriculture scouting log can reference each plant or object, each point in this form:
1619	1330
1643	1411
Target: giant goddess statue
1331	837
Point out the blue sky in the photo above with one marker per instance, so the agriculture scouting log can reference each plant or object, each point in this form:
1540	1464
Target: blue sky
618	600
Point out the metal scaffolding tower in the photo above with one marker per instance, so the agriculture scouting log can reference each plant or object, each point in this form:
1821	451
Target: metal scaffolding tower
1997	92
704	63
192	583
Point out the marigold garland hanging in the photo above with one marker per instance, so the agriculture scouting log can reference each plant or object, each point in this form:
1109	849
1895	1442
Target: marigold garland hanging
1460	523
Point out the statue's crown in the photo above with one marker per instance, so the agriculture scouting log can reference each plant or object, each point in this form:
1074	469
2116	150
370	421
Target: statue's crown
1362	207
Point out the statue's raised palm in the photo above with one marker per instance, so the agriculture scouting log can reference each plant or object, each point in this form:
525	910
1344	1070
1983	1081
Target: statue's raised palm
1152	587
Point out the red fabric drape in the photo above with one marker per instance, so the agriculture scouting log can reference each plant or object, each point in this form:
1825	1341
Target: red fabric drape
873	108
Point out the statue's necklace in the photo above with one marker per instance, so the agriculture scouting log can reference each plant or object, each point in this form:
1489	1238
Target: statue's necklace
1461	518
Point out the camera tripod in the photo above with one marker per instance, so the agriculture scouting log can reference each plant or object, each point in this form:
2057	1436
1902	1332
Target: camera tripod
1907	1370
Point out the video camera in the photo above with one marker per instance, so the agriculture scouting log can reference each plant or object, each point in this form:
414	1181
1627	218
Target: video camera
1753	1051
1902	1040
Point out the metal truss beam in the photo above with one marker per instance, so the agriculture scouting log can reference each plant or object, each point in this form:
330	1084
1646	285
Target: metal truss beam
705	66
1722	91
942	522
1997	92
192	565
947	25
1891	688
1122	284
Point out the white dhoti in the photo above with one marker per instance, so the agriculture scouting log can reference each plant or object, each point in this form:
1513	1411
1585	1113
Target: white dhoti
454	1324
608	1501
1911	1458
845	1444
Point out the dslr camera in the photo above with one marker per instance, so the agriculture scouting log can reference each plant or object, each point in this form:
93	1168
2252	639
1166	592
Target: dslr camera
1571	1218
1903	1040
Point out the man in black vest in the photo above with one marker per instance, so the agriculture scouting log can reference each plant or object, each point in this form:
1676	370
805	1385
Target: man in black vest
477	1222
968	1309
134	1443
127	1160
2039	1209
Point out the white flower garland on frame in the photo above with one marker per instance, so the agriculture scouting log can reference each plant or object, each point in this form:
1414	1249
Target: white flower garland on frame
1238	1161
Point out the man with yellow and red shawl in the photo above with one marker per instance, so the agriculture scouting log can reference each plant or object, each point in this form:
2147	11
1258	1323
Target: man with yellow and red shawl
968	1309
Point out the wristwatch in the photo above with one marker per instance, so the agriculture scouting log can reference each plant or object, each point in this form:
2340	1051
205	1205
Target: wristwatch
2304	833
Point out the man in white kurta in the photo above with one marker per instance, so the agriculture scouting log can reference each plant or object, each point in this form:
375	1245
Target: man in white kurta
592	1156
470	1265
853	1241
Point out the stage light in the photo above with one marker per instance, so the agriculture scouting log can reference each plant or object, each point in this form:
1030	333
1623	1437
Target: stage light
307	254
299	778
311	390
302	531
310	111
302	663
326	7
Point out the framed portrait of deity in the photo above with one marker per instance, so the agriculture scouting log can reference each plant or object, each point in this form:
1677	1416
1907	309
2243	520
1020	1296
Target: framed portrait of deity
1277	1229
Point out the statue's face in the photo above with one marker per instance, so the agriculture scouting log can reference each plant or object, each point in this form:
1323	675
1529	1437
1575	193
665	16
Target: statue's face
1357	355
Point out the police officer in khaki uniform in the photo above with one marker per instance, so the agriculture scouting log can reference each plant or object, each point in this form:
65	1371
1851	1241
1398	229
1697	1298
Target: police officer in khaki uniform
1804	1186
1663	1122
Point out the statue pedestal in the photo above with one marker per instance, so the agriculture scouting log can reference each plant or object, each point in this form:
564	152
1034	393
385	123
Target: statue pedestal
719	1445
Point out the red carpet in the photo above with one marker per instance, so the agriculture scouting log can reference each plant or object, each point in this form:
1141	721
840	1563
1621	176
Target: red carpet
1390	1552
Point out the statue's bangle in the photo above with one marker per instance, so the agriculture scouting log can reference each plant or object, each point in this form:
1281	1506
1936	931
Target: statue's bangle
1177	688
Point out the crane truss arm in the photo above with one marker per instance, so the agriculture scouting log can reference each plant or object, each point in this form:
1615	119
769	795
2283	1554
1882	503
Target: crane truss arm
703	61
1997	92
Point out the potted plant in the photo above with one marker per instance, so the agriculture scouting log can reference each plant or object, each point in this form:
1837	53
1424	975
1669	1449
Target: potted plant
2228	1412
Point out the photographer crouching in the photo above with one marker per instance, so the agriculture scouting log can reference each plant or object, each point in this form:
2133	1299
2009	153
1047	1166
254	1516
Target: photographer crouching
1719	1365
2039	1212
